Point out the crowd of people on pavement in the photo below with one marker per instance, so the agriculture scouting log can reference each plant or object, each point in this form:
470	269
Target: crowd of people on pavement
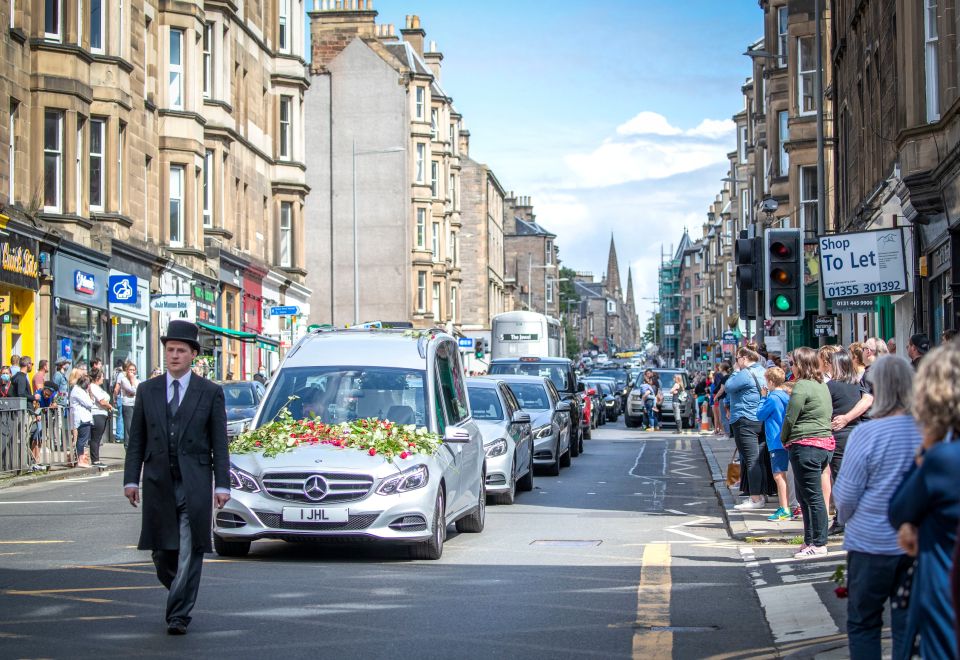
87	396
872	434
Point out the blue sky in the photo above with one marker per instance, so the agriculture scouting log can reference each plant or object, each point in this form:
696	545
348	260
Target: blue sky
613	115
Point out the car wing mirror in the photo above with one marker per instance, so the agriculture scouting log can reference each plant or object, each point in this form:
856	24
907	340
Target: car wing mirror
521	417
455	435
563	406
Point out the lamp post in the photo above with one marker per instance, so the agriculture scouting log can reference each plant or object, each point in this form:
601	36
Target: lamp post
356	236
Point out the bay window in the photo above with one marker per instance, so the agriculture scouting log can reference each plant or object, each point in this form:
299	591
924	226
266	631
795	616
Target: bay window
286	105
806	74
175	63
52	28
176	206
931	40
53	161
96	25
208	188
286	234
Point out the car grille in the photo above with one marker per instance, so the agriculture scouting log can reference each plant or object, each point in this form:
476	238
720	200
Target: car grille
342	487
355	522
230	520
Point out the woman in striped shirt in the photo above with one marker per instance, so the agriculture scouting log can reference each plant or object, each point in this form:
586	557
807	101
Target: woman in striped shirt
878	453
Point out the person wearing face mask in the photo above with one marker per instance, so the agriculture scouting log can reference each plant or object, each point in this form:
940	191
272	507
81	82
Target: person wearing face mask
5	381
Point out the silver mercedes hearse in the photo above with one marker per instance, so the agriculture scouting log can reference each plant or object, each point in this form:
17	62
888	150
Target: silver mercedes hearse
320	491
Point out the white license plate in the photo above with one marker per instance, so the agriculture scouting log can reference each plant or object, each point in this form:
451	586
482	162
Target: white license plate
315	515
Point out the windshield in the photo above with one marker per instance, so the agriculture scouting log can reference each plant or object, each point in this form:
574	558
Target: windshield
485	403
555	372
531	396
334	394
238	396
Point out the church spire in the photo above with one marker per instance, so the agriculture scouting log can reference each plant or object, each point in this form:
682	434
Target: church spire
613	272
630	300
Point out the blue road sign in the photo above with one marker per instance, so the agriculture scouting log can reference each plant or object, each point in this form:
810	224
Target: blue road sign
286	310
465	342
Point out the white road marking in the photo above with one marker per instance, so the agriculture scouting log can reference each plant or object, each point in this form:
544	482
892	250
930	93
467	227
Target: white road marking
48	502
795	612
679	513
695	537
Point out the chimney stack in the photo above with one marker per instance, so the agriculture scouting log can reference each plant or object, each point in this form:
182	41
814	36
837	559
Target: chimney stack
334	24
433	58
413	34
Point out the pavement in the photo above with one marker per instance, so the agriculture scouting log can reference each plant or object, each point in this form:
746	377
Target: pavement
111	454
626	554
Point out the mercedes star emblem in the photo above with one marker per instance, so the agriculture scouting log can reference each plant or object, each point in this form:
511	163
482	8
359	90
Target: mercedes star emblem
315	488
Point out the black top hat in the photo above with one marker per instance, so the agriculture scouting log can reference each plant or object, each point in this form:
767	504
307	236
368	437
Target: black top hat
184	331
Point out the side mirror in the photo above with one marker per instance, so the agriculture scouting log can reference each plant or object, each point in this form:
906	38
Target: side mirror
521	417
563	406
456	435
581	387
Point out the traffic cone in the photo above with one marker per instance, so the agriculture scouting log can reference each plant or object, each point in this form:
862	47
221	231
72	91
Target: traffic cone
704	420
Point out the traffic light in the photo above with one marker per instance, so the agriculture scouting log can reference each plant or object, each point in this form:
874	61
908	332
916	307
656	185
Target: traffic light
478	348
749	259
783	283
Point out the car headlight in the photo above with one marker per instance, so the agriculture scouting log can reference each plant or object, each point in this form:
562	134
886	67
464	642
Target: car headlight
240	480
542	432
411	479
496	448
636	396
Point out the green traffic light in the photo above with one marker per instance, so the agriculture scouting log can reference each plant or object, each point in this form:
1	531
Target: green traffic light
782	303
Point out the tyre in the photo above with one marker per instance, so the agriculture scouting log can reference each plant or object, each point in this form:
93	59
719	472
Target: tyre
433	549
473	524
574	444
554	468
565	457
226	548
525	483
508	497
588	434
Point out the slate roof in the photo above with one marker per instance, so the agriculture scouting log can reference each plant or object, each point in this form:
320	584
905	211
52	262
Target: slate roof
528	228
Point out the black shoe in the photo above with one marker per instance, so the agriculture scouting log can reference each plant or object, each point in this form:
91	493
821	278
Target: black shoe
176	628
836	529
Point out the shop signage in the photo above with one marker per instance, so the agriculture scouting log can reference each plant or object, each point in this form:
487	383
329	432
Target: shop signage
729	337
825	326
863	263
84	282
18	261
171	303
122	289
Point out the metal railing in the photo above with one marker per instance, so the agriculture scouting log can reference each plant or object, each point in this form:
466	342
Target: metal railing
35	440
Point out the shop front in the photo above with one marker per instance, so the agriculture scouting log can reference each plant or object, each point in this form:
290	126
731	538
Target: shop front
79	305
19	283
252	321
128	300
230	304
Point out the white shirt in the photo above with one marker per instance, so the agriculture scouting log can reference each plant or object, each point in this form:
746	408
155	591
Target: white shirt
184	383
81	405
97	394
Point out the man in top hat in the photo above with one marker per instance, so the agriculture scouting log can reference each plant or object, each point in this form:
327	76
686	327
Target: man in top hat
917	347
178	438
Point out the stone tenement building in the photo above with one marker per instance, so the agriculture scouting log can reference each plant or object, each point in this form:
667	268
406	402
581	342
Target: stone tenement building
151	167
383	165
531	259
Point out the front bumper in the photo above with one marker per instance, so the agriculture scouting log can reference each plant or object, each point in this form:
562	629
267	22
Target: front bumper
500	471
404	517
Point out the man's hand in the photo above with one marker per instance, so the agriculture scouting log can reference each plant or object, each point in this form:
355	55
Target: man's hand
220	499
132	493
907	539
839	422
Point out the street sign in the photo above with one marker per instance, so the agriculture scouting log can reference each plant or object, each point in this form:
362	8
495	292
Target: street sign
729	337
863	263
465	342
285	310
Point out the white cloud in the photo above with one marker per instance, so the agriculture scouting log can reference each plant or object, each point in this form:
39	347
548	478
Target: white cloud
714	128
648	123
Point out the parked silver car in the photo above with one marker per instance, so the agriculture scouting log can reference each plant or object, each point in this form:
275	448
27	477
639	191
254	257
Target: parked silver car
550	418
507	438
321	491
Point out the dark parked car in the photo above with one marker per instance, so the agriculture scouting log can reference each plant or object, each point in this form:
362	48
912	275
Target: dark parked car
611	402
688	417
242	397
561	374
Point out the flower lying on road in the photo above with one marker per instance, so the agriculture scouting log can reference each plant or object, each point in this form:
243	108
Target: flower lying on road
373	436
840	578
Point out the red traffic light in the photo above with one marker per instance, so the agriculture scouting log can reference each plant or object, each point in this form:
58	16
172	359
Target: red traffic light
779	249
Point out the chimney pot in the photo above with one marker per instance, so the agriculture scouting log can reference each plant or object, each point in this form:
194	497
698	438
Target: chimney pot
408	21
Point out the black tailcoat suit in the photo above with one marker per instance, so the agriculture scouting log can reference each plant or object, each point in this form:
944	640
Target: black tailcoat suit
174	485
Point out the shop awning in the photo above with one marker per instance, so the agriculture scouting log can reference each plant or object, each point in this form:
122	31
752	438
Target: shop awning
262	341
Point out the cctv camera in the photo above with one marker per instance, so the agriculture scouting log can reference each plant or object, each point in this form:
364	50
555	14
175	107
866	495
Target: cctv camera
769	205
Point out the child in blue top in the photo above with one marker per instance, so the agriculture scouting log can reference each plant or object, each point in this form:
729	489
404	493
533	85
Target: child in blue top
772	409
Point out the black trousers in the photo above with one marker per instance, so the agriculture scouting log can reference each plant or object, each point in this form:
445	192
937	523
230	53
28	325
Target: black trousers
746	435
99	426
179	570
808	464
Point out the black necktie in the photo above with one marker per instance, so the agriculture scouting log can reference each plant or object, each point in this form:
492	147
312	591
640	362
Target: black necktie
174	405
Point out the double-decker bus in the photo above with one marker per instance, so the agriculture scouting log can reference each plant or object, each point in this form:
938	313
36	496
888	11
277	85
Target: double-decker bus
518	334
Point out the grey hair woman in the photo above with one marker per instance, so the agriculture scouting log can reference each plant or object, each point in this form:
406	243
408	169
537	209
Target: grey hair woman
878	453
